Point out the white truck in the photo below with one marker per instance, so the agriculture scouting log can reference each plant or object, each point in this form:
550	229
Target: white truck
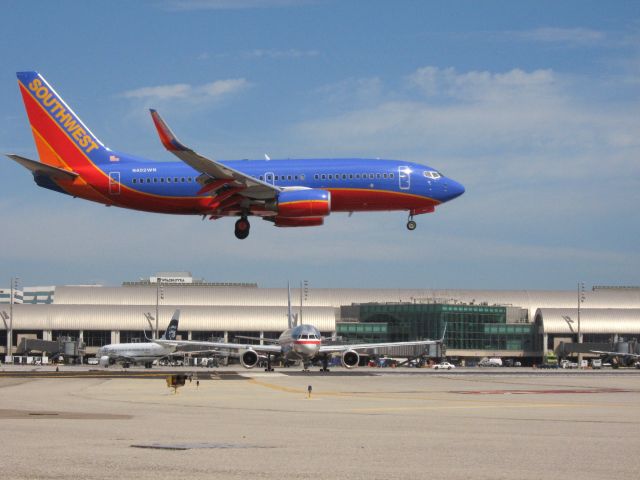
490	362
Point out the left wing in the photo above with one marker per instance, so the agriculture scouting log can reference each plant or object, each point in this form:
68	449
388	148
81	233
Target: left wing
616	354
365	346
216	174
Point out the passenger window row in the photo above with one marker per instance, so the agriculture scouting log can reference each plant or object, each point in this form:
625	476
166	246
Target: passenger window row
352	176
164	180
285	177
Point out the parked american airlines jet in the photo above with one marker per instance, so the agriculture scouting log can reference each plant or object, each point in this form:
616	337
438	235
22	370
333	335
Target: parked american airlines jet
288	193
298	343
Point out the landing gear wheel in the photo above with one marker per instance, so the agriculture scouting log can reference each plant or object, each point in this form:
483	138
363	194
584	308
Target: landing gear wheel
411	225
242	228
325	364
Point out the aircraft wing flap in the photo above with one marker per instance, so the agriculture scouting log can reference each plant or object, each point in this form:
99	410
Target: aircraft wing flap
206	166
43	168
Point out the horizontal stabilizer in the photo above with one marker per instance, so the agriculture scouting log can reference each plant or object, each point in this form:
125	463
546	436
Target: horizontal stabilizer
43	168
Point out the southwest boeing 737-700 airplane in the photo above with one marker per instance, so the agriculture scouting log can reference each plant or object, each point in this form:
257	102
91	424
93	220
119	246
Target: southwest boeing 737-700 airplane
289	193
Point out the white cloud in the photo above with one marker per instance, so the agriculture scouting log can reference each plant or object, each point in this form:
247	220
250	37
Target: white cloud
194	93
489	119
566	36
482	85
279	54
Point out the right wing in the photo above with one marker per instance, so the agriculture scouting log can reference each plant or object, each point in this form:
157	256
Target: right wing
221	345
258	339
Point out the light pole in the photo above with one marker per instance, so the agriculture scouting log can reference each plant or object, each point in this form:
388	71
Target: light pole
581	298
159	296
14	287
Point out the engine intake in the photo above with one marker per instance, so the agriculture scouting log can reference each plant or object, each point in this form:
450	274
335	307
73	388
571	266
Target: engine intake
249	358
304	203
350	359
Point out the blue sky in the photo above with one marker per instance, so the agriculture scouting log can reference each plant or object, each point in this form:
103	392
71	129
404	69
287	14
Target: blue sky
533	106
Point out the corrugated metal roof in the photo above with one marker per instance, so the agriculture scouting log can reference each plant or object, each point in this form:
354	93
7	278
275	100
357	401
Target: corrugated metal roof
192	318
603	320
318	297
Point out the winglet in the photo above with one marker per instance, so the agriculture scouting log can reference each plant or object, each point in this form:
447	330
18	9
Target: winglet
444	332
167	137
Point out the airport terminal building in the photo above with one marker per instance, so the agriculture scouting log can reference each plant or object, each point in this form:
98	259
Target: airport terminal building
518	324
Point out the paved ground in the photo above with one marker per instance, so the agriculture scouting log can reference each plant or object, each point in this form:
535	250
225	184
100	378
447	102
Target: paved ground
252	425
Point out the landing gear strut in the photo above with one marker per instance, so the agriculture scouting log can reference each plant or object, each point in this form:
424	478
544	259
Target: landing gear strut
269	367
411	225
242	228
325	364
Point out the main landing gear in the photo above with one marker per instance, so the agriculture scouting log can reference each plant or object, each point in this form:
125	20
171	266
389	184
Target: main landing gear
411	225
269	367
325	364
242	228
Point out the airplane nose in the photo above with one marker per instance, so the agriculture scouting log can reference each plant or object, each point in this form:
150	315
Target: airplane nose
455	189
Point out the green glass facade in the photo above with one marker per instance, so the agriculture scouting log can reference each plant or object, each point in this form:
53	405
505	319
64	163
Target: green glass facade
469	327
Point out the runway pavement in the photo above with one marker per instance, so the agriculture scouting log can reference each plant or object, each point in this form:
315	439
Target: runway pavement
362	424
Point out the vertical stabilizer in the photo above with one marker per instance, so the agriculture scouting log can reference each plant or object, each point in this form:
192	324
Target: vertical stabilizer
62	139
172	329
290	319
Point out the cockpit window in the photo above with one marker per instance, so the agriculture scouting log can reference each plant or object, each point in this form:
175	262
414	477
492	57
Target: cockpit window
432	174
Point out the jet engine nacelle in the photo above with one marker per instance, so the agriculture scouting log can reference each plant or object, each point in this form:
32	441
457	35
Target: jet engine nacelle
350	359
249	358
303	203
104	361
299	222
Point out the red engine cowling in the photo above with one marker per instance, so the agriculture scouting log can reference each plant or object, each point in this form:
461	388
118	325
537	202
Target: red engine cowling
299	222
304	203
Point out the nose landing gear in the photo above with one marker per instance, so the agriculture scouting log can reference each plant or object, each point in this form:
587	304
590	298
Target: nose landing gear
242	228
411	225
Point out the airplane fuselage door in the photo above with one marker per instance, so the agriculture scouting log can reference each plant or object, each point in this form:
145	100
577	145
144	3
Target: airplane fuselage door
269	178
114	183
404	177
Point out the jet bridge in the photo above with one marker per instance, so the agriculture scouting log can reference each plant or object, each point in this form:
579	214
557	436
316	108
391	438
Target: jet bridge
65	347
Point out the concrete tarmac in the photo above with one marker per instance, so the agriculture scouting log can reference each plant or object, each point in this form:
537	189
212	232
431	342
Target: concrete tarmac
405	423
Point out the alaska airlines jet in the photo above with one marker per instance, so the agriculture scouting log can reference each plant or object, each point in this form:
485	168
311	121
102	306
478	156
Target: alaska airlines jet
297	343
288	193
143	353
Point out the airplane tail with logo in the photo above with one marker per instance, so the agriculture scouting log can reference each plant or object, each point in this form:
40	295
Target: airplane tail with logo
172	329
70	154
62	139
